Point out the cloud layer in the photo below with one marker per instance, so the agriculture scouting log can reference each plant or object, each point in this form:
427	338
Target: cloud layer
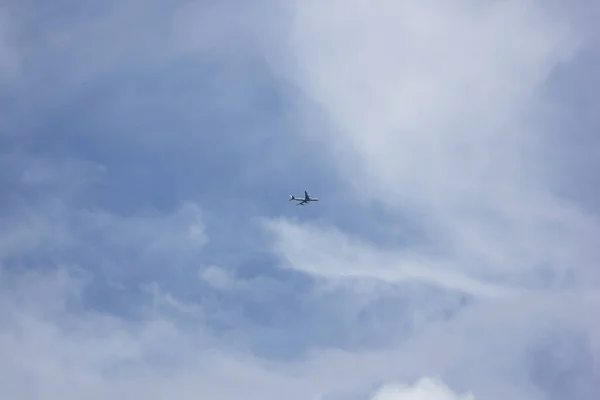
147	248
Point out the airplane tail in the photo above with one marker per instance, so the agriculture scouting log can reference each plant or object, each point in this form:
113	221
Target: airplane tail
292	197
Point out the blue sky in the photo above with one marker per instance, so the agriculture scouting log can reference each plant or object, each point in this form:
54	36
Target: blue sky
147	247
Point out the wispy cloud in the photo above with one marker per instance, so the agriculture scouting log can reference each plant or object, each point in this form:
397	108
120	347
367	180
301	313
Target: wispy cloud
332	254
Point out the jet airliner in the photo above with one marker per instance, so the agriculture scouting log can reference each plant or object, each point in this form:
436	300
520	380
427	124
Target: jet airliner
303	200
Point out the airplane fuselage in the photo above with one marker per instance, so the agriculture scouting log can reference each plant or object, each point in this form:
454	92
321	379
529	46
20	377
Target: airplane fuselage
305	199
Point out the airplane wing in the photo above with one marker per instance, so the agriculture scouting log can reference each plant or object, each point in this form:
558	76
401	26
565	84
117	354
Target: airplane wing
306	196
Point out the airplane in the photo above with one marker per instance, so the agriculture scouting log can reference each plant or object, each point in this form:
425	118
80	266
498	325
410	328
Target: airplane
304	200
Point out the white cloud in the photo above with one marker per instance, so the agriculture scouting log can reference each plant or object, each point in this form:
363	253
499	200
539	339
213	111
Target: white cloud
435	110
440	112
330	253
424	389
63	355
108	357
218	277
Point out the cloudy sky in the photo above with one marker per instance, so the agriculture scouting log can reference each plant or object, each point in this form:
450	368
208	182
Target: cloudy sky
148	248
